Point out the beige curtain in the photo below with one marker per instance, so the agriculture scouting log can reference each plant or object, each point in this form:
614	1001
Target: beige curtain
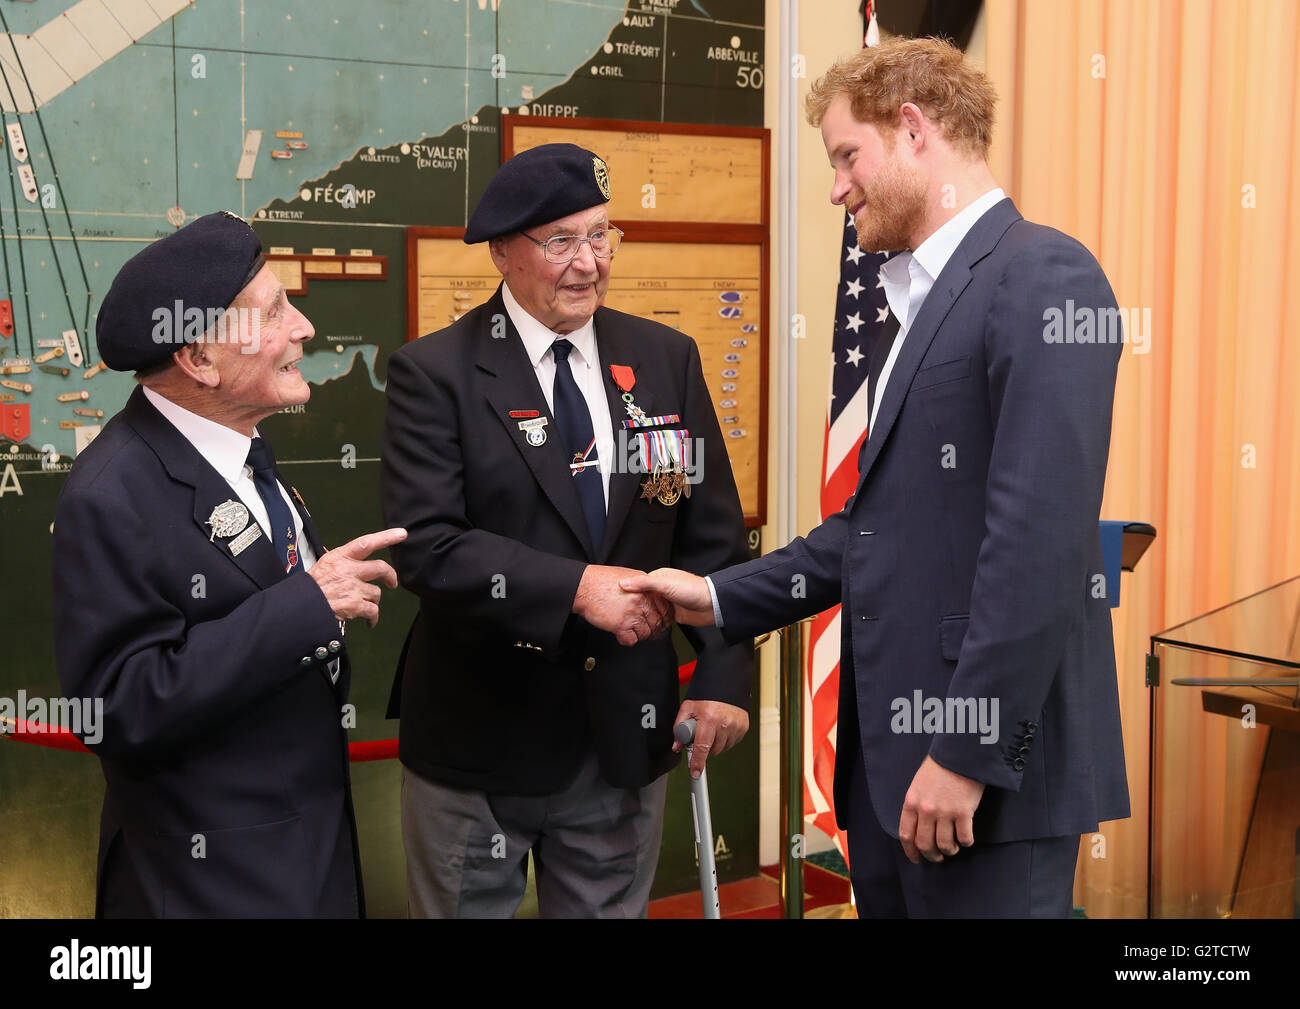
1163	135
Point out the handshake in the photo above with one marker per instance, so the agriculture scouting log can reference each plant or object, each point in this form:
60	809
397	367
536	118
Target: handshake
635	606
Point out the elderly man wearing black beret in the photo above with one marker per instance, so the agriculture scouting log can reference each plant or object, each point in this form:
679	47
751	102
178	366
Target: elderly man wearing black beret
538	451
206	615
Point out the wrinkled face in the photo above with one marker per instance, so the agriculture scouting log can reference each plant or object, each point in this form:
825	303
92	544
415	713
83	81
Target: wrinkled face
882	191
561	296
255	354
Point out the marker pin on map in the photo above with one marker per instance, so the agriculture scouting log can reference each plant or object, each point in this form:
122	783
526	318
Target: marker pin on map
730	311
72	397
91	372
16	142
730	297
248	154
83	436
49	355
73	346
9	383
28	178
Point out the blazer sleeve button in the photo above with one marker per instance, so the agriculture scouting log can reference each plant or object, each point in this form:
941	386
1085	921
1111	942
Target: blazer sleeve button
589	665
305	661
322	653
336	646
1018	763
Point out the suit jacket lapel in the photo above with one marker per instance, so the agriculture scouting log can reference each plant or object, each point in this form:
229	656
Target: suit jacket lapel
514	387
184	463
616	348
948	286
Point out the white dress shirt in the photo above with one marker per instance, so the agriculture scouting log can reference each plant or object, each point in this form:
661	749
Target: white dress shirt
584	363
226	451
908	277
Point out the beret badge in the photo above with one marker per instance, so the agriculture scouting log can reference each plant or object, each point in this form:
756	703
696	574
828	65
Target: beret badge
602	176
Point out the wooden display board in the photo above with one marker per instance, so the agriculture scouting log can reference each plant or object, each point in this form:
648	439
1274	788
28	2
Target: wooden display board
700	174
697	260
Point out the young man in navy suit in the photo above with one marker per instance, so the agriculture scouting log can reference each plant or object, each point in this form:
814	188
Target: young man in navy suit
979	729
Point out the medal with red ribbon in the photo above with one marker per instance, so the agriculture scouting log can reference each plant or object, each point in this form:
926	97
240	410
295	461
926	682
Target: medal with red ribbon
625	379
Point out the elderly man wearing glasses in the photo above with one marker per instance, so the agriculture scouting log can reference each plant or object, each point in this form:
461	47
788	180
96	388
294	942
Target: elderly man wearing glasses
538	450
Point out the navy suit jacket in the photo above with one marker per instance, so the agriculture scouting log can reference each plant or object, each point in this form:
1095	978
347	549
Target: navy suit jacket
967	560
222	731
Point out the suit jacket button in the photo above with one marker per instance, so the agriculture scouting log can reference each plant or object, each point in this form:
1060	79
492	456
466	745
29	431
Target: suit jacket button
322	653
589	665
1018	763
1023	750
336	646
305	661
1031	726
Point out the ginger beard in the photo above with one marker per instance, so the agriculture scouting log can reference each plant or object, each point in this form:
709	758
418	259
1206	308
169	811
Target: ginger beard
893	206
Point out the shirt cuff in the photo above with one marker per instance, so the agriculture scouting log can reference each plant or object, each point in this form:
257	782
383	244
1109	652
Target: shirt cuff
713	594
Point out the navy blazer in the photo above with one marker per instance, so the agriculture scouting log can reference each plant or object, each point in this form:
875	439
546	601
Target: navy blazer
223	749
967	560
500	687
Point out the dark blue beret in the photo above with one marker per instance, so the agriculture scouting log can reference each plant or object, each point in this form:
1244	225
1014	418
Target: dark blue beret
202	266
538	186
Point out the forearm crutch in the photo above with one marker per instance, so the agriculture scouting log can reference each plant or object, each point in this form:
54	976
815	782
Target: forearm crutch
685	732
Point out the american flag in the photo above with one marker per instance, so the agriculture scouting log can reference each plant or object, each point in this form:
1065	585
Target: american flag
860	315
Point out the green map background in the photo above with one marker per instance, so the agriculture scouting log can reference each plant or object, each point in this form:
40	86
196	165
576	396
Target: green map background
142	134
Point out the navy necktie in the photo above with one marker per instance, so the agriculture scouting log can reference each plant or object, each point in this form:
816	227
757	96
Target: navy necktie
573	418
283	536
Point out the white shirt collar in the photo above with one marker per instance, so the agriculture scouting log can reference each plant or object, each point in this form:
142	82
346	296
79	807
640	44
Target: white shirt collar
225	449
538	339
933	254
908	276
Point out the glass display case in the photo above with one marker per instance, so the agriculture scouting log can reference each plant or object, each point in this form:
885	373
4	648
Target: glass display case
1224	789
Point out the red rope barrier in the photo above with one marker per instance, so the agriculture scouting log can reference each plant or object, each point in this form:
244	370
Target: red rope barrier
22	731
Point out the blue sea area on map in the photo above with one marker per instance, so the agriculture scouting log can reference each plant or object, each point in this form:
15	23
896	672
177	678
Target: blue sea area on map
161	124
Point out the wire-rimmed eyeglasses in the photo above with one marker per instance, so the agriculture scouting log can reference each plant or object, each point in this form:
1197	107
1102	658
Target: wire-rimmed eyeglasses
563	248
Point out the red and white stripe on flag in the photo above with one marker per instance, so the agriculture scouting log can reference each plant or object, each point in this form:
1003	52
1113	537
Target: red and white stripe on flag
860	310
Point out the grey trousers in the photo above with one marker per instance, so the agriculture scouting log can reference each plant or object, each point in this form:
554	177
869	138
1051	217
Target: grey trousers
595	848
